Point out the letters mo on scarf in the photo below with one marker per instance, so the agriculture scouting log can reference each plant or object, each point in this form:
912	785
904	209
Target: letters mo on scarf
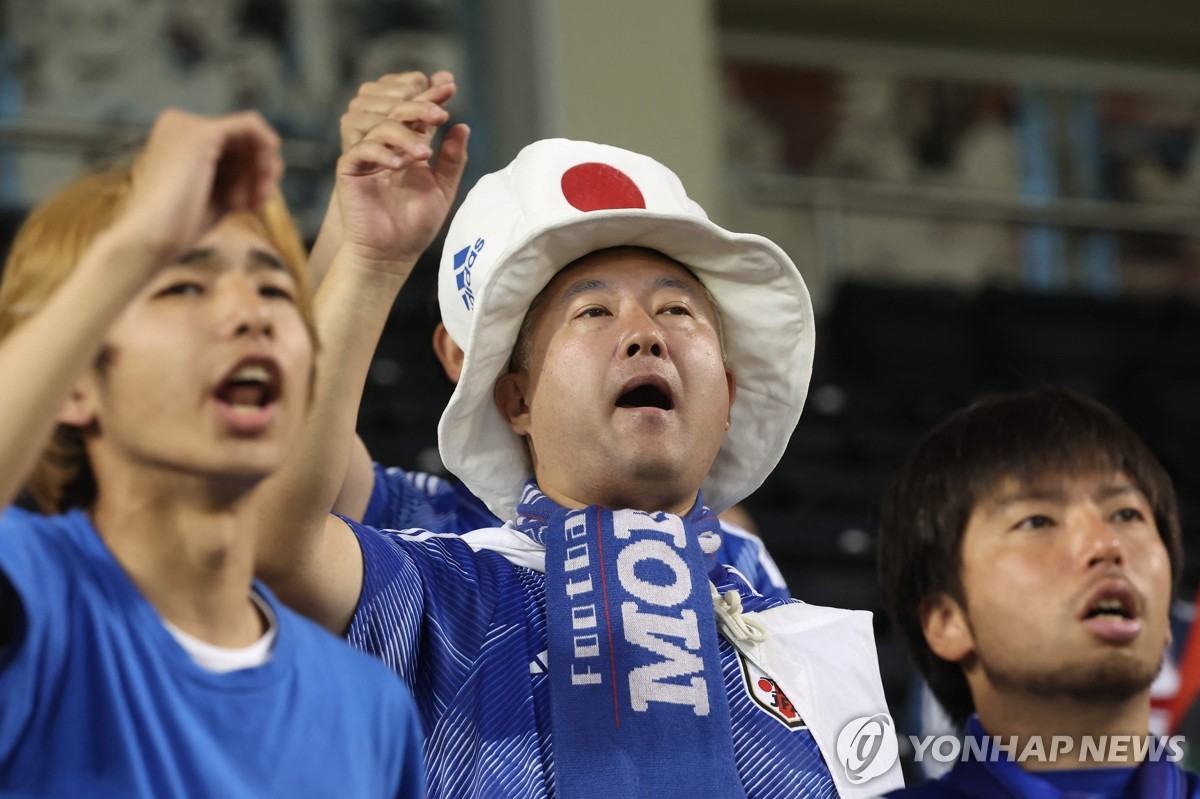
634	659
631	609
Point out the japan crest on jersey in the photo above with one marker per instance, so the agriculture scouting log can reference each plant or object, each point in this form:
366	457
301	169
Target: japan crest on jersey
768	696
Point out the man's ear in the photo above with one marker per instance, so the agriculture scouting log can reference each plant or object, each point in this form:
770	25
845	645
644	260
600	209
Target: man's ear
79	409
510	397
448	353
947	631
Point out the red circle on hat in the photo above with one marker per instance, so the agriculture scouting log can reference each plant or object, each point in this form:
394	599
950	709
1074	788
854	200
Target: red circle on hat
599	187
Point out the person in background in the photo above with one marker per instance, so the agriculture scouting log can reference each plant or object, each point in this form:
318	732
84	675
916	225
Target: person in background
1026	555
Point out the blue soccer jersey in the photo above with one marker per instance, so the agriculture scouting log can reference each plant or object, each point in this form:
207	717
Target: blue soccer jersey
466	629
98	699
404	500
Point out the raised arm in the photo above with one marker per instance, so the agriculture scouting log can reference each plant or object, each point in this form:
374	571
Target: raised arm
417	101
191	170
391	207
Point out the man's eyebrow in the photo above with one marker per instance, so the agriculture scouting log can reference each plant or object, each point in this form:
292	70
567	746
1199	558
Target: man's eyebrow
202	257
208	258
583	287
262	259
659	283
1116	490
667	282
1007	499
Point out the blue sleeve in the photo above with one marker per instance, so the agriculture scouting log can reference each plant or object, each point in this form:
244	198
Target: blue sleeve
403	500
426	607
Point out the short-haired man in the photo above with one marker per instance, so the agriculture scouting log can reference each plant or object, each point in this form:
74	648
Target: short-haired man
394	498
588	648
1026	554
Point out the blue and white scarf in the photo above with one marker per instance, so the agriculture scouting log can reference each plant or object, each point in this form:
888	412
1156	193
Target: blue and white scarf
638	702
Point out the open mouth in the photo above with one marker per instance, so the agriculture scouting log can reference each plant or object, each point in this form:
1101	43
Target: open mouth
252	385
1114	601
646	395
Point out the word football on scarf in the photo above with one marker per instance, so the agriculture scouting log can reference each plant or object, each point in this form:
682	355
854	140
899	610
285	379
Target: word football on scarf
637	699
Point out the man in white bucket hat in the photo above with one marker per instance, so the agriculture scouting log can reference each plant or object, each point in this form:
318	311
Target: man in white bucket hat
394	498
589	647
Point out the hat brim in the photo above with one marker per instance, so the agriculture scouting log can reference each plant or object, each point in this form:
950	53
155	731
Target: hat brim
769	336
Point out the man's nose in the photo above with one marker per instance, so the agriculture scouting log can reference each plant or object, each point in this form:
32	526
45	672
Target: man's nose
643	337
1100	541
246	312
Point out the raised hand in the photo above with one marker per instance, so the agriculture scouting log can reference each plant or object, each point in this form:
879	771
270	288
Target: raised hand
191	171
377	100
391	197
413	101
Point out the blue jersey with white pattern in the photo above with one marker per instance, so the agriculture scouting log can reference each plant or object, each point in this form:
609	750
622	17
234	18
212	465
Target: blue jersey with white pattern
467	632
402	500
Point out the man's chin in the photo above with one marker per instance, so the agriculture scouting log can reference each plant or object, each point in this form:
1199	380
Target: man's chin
1110	678
654	467
632	475
242	464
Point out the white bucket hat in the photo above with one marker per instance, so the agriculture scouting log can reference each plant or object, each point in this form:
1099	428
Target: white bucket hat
560	200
